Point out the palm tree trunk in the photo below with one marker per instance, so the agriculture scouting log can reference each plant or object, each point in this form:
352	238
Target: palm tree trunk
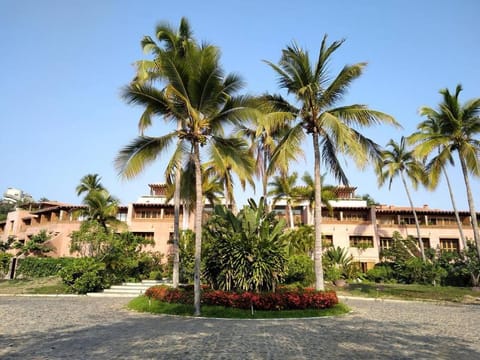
417	225
290	215
319	282
457	217
471	205
198	228
176	228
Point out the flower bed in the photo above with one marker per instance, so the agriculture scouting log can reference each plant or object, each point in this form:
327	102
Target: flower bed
281	300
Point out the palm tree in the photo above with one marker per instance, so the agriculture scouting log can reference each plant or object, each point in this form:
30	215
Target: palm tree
427	130
283	187
224	164
199	93
174	44
307	192
399	161
264	132
88	183
101	207
459	128
334	130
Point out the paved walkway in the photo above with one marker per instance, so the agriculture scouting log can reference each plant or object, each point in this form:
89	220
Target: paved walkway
101	328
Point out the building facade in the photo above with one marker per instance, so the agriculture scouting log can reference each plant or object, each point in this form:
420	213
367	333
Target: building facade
350	223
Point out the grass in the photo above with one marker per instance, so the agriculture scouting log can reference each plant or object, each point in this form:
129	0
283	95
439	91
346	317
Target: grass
144	304
44	286
411	292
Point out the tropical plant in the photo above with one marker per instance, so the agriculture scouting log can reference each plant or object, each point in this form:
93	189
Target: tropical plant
89	183
458	131
264	131
202	97
398	160
334	130
300	241
283	187
307	192
427	130
244	252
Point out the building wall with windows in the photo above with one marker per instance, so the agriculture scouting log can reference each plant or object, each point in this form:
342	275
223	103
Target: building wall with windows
350	223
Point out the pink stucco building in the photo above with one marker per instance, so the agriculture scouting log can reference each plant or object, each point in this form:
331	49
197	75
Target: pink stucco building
350	223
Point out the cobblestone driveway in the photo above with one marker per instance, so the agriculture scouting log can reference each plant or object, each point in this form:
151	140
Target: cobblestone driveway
100	328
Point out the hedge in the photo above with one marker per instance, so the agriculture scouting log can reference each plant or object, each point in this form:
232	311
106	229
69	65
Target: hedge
35	267
280	300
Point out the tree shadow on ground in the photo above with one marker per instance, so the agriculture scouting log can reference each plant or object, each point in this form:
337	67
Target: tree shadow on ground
145	336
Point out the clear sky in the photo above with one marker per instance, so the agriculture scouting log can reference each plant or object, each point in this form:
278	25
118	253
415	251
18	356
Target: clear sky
63	64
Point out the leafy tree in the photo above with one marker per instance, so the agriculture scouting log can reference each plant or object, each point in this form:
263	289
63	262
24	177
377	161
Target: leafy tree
458	130
36	245
397	160
300	241
334	130
244	252
307	191
5	208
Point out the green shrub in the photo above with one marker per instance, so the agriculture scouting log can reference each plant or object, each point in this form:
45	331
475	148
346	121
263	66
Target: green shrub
4	263
300	270
381	273
35	267
84	275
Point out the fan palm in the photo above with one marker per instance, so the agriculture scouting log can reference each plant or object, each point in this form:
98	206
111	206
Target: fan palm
333	129
459	128
397	160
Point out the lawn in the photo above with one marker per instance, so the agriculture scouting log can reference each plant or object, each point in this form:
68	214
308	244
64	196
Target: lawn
411	292
46	285
144	304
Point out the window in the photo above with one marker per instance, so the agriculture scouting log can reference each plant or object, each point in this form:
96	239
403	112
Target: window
426	242
145	234
327	240
361	241
121	216
409	220
449	245
386	243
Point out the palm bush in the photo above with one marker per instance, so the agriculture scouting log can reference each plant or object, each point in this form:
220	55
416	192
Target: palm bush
244	252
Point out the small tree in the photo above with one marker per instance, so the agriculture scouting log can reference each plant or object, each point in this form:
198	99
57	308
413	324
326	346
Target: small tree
36	245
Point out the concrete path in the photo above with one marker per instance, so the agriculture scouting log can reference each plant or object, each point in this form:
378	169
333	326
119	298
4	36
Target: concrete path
101	328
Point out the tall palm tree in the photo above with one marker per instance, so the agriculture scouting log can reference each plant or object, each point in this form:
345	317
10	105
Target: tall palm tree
101	207
333	129
173	43
459	131
199	93
397	160
427	130
88	183
283	187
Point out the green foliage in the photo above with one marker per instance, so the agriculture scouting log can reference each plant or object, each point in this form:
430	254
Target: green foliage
382	272
300	270
34	267
300	241
6	245
5	208
121	255
36	245
244	252
338	264
4	263
84	275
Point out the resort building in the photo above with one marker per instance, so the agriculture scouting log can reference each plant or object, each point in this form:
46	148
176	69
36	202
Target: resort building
350	223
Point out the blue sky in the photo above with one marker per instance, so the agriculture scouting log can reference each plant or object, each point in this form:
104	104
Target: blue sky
63	64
